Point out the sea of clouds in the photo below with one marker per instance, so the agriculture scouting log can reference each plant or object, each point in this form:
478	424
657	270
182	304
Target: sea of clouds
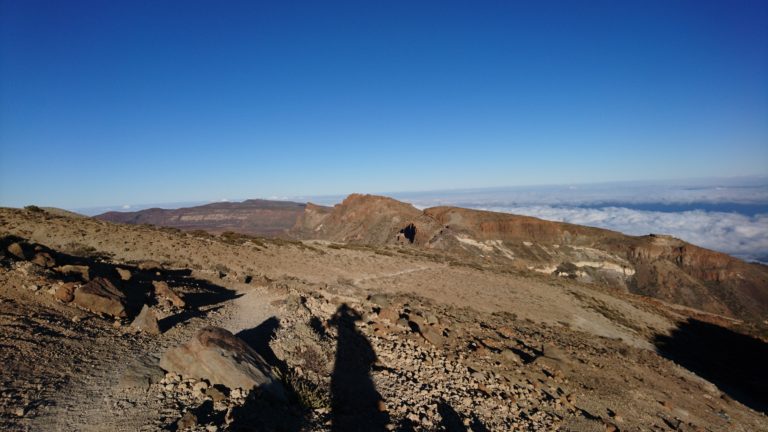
728	215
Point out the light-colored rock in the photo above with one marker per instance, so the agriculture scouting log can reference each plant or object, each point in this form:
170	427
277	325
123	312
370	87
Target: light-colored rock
146	321
69	269
101	296
124	274
216	355
150	265
16	250
187	421
44	259
389	313
433	335
163	290
510	356
65	292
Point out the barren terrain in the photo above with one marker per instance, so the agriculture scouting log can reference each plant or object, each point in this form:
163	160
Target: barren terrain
357	336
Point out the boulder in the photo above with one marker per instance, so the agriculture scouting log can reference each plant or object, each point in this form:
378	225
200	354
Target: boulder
433	335
65	292
216	355
390	313
163	290
101	296
146	321
124	274
44	259
16	250
83	270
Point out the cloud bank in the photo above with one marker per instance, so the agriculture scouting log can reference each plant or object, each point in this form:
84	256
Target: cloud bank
739	235
727	215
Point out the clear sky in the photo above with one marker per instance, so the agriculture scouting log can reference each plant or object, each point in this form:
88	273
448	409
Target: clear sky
111	102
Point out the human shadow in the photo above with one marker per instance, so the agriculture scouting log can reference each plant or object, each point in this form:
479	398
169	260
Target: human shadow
356	405
735	362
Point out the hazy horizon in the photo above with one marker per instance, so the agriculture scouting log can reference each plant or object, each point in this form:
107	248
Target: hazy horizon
727	215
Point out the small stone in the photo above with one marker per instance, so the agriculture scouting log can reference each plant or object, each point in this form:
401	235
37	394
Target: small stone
16	250
43	259
124	274
215	394
510	356
83	270
163	290
187	421
20	411
66	292
390	314
146	321
199	388
150	265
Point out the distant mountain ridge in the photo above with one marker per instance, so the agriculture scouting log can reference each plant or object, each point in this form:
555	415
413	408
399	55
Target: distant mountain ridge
653	265
658	266
253	217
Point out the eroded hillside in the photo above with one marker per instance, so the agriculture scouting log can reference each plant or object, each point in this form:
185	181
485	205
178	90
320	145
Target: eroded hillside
356	337
658	266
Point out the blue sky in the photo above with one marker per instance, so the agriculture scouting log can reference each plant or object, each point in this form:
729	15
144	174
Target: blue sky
111	102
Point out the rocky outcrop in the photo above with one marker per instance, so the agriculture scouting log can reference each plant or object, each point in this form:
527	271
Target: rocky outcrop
102	297
216	355
655	265
367	219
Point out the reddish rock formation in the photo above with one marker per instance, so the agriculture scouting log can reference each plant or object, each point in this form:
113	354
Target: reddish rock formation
655	265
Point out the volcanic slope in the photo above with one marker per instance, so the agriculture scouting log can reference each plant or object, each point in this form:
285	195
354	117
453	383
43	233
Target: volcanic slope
360	337
658	266
255	217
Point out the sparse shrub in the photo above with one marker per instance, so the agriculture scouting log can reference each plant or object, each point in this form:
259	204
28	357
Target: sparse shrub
309	394
34	209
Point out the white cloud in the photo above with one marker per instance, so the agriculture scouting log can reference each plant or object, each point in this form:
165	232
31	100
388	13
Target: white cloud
736	234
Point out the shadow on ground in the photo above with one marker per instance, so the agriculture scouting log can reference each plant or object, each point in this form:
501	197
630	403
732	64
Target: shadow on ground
138	289
735	362
356	404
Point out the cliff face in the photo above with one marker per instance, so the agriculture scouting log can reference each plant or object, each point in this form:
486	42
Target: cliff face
655	265
366	219
254	217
